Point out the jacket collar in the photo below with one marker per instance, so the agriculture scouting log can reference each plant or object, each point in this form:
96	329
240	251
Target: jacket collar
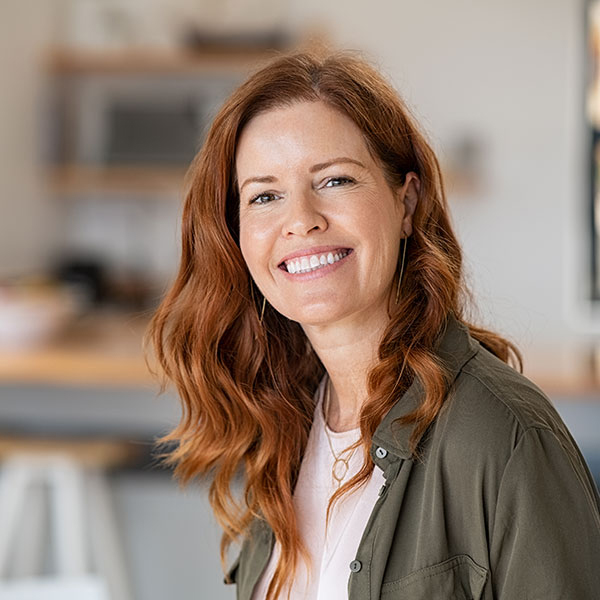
454	347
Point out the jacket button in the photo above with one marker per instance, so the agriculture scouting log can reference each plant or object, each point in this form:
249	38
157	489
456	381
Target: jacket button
381	452
355	566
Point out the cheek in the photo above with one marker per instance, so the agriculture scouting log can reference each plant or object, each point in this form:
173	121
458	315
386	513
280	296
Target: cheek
248	248
246	244
380	224
382	230
254	244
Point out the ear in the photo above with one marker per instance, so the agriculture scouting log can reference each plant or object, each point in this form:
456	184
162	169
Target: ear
409	195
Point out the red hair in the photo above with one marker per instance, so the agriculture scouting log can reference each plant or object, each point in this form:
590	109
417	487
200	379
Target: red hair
247	388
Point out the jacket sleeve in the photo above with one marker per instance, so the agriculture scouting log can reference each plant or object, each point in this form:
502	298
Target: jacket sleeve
545	542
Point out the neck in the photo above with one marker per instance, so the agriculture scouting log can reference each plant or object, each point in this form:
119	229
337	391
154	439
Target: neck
348	351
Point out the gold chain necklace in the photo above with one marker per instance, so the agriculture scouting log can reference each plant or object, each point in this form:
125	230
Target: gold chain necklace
341	465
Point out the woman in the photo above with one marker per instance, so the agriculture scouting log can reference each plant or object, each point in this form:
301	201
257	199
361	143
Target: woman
317	335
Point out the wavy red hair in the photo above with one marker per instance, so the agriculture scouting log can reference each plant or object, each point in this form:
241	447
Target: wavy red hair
247	388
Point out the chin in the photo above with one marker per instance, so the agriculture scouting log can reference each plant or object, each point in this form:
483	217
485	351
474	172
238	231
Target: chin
315	317
315	311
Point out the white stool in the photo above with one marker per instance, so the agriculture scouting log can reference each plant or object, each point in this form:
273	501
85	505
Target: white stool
84	556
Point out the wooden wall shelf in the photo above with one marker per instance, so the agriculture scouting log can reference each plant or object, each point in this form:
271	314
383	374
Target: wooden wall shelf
86	179
67	61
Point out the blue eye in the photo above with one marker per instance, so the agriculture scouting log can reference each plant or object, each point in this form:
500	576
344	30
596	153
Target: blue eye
263	198
338	181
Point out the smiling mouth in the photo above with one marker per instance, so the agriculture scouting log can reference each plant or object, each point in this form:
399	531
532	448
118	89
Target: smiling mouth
314	262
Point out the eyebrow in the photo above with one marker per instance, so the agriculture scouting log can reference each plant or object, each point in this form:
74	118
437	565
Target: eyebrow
313	169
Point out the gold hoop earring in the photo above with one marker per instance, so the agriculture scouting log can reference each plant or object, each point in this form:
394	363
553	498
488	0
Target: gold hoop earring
262	312
401	269
264	302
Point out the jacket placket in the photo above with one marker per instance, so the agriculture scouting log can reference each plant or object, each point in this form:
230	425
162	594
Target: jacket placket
368	567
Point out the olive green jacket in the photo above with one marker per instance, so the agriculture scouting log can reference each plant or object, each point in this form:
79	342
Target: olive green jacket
501	505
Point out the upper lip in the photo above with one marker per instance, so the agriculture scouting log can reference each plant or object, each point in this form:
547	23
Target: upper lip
311	251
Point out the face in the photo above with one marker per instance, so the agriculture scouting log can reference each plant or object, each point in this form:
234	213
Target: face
320	227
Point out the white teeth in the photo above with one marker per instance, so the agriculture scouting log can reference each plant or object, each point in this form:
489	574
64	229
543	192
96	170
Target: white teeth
314	262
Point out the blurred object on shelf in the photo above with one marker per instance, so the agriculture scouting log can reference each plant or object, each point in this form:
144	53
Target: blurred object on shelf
199	40
595	237
131	117
114	24
132	290
231	17
133	238
595	364
86	278
155	133
32	312
466	156
95	284
593	95
111	24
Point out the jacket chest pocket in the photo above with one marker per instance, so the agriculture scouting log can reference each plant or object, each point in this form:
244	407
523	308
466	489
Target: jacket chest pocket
458	578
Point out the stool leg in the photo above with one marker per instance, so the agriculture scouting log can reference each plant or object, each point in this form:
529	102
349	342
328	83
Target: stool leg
67	505
28	552
106	548
15	477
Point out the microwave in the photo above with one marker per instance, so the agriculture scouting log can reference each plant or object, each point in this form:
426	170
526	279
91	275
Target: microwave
134	119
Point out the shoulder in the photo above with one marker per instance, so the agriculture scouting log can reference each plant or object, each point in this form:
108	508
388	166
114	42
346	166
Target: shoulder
491	407
500	388
499	439
496	394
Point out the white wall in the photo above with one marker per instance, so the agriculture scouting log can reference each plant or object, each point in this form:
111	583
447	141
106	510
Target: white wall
26	217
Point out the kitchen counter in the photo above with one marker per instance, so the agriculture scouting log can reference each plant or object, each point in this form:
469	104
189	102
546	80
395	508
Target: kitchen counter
97	349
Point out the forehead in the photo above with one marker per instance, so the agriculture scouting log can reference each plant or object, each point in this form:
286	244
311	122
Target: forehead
296	135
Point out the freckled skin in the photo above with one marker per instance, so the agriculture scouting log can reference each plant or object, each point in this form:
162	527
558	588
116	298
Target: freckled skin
344	204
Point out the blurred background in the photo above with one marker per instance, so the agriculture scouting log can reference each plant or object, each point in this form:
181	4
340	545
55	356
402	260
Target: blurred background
104	102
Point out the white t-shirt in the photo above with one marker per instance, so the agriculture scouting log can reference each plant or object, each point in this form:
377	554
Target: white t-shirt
330	555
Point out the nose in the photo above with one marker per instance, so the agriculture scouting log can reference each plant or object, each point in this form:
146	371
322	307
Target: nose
303	216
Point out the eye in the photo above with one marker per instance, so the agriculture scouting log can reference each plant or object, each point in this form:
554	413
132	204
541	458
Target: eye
338	181
262	198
